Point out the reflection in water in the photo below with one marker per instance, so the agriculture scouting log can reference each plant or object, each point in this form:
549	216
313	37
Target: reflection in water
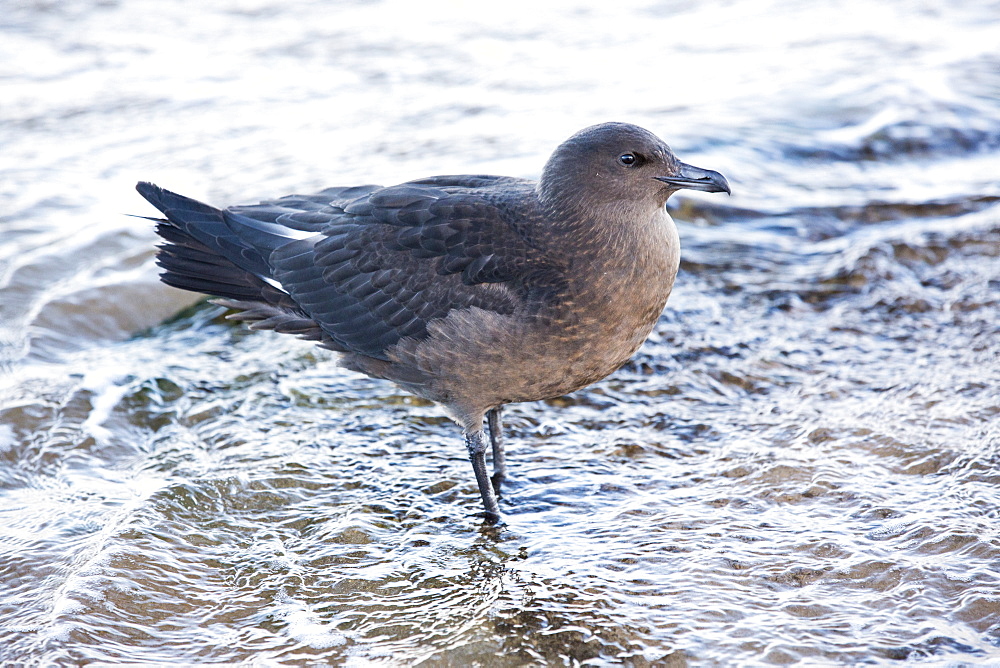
801	464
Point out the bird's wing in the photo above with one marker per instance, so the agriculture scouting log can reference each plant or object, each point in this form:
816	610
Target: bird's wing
295	211
392	260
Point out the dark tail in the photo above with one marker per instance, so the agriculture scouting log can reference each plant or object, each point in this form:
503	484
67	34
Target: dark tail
202	253
222	254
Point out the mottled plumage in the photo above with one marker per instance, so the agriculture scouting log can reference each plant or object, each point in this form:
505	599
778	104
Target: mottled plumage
472	291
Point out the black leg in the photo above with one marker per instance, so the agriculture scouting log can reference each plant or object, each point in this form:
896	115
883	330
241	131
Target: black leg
496	439
476	442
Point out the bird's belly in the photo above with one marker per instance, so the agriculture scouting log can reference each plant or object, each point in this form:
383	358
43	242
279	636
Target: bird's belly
595	347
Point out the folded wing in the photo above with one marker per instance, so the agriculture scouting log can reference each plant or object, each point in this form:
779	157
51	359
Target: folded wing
357	269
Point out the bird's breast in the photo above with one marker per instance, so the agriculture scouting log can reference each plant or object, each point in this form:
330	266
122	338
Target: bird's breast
617	290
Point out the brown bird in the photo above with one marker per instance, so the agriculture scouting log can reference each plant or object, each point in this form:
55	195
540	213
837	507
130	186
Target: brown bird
471	291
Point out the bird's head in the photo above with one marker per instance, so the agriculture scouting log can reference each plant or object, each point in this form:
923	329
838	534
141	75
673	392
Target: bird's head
619	162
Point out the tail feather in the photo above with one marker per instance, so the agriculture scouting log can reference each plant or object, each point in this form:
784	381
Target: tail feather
210	251
190	220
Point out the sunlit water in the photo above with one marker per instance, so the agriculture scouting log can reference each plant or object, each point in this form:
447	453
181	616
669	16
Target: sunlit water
802	464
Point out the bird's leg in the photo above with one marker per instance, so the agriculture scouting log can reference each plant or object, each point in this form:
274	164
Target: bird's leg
476	442
496	440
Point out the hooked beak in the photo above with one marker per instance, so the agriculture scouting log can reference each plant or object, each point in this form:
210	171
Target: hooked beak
695	178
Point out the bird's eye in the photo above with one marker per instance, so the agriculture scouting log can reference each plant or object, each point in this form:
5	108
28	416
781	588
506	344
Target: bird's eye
627	159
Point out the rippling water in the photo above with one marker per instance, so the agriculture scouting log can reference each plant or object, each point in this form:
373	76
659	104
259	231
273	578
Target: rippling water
802	464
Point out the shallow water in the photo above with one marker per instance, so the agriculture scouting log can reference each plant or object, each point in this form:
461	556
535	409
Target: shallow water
801	465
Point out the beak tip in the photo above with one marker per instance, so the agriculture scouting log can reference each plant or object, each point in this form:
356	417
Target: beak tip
719	181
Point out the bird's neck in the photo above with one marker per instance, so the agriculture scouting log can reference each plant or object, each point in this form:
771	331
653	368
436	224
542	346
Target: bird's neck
626	230
622	264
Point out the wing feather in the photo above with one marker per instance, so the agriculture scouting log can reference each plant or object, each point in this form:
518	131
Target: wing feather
362	268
